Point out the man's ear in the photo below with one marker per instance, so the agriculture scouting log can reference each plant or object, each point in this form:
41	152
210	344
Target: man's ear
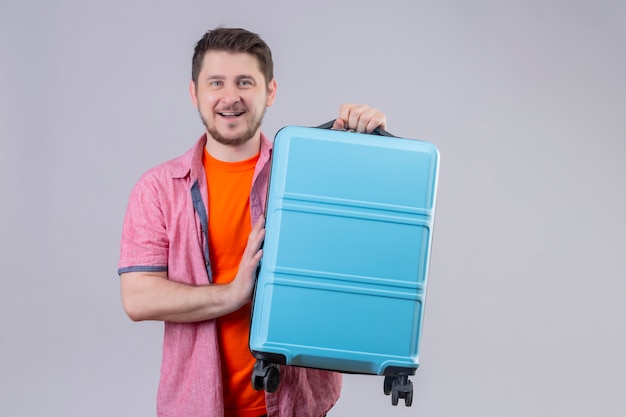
192	93
271	92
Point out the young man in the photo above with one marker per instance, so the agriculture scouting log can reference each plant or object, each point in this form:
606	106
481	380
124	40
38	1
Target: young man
191	243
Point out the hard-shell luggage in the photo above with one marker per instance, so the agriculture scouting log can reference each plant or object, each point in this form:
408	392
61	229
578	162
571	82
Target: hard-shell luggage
342	281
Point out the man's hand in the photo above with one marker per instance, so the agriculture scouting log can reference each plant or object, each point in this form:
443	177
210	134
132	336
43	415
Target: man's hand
242	286
360	117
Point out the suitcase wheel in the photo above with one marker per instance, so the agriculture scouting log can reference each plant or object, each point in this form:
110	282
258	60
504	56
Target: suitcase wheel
399	387
265	376
388	384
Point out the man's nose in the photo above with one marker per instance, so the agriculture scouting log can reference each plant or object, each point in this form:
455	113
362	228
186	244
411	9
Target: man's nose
231	95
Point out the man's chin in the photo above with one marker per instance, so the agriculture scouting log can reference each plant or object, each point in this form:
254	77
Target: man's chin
232	135
230	139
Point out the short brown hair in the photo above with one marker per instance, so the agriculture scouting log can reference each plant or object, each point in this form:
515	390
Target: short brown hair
233	40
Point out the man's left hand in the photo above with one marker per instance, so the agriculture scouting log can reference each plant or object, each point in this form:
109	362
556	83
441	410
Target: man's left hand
360	117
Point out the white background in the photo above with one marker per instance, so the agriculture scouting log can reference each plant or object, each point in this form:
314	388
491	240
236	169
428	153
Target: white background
525	99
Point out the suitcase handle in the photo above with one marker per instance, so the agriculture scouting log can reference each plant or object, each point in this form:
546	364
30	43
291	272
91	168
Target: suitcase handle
377	131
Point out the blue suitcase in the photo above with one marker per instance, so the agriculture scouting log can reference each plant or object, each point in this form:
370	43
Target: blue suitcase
342	282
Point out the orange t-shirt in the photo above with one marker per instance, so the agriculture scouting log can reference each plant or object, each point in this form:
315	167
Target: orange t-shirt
229	227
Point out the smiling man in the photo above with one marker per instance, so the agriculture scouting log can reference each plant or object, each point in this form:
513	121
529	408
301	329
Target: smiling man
191	243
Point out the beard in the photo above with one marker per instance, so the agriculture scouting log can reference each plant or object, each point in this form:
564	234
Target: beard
248	134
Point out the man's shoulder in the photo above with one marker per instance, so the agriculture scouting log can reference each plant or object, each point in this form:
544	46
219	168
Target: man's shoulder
165	170
177	167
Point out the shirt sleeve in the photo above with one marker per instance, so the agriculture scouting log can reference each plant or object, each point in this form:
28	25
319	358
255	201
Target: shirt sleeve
145	243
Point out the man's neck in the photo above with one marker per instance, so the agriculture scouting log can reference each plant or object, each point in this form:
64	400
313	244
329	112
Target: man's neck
230	153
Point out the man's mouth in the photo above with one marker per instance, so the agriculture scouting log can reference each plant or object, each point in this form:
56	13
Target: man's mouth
230	113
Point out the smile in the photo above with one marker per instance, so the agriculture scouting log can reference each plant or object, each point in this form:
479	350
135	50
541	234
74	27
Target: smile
230	114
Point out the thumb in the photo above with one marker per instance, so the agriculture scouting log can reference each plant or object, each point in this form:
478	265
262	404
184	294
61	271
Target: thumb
338	125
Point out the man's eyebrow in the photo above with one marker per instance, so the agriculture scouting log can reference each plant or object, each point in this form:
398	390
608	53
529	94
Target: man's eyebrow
223	77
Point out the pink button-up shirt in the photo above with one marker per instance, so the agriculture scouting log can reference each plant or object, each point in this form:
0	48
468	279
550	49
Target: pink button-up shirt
165	229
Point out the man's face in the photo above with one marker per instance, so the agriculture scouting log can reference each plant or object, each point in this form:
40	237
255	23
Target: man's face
231	95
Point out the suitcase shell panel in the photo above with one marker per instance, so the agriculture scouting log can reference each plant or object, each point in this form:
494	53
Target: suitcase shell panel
343	277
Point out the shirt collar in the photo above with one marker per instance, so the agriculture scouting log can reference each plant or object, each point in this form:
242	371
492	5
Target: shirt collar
191	161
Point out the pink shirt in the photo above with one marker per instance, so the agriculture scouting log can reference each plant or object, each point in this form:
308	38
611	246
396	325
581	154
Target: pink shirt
165	230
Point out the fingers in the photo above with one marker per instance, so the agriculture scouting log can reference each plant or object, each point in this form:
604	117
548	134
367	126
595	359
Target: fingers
243	284
360	117
253	249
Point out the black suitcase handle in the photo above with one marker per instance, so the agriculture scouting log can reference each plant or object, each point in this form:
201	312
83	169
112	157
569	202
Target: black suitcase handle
377	131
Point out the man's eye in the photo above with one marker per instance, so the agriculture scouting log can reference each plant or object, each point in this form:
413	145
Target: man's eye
245	82
215	83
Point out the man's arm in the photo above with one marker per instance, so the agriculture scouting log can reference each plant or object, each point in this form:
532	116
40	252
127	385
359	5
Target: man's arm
152	296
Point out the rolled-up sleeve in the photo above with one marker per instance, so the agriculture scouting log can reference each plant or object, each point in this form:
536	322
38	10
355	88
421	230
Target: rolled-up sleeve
145	244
